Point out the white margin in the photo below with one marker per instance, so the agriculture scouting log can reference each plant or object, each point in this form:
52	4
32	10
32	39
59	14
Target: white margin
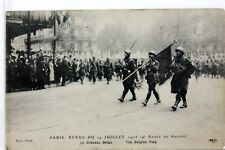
13	5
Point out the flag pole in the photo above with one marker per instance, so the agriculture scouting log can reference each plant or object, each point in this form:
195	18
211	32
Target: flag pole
133	44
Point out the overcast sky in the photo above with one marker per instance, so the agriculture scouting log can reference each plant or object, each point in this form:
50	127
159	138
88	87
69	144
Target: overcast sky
154	29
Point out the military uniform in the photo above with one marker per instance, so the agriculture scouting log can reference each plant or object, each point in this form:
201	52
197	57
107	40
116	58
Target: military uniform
93	70
81	71
108	70
152	78
182	69
100	70
74	70
118	70
128	68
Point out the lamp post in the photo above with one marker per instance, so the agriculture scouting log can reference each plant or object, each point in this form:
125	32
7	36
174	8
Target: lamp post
28	36
54	41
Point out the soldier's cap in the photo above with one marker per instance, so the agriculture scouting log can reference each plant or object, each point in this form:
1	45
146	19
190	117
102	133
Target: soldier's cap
152	53
127	51
180	49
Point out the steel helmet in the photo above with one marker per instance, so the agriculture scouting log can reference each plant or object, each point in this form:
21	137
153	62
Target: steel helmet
152	53
127	51
180	48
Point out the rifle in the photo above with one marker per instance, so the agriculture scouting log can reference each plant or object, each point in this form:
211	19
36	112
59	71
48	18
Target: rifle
133	44
134	71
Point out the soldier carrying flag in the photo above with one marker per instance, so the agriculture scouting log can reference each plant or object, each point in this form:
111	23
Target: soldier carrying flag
152	77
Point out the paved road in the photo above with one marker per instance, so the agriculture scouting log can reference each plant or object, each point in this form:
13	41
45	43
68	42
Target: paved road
94	110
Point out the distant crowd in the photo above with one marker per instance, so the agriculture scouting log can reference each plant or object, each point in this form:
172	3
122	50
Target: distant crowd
41	71
213	67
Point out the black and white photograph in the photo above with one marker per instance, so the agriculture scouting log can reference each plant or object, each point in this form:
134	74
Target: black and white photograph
114	79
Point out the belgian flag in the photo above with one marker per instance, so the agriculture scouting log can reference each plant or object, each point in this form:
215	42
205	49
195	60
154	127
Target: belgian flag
165	60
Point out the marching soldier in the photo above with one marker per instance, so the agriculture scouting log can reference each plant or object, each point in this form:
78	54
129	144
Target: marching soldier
128	84
108	70
118	70
152	77
89	69
74	69
81	71
93	69
100	68
182	70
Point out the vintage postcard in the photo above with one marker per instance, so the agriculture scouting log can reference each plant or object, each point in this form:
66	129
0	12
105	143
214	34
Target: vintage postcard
115	79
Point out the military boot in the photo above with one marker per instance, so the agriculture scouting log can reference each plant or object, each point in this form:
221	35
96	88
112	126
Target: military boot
157	102
145	102
184	105
133	99
121	99
184	102
174	107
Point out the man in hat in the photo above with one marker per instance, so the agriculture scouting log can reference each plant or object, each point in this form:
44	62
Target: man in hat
152	77
128	84
182	70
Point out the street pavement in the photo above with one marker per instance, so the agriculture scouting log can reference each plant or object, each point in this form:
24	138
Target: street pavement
34	117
